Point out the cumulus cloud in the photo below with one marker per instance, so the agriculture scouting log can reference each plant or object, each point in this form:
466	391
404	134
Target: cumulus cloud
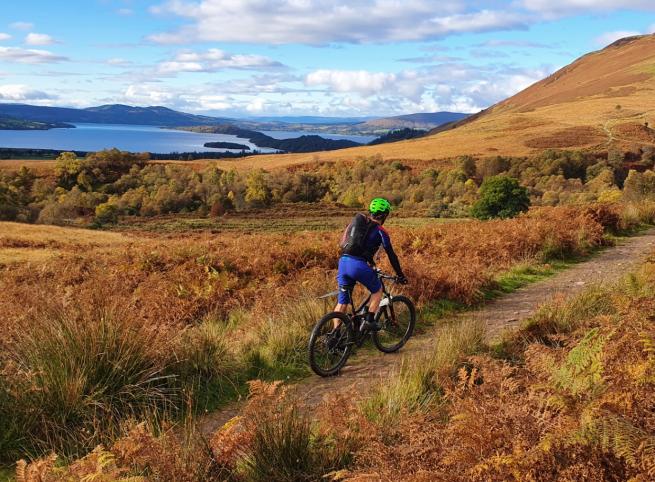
359	81
21	25
20	92
214	60
4	36
39	39
329	21
29	56
609	37
454	86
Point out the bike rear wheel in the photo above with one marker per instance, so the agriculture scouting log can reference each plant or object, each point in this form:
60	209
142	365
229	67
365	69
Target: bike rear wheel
329	348
397	320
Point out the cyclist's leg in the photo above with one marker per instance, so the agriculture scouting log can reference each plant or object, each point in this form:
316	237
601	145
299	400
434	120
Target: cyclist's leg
346	284
369	278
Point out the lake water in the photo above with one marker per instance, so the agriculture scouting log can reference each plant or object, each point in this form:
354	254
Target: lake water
135	138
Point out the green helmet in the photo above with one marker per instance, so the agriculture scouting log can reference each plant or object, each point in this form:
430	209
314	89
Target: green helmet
379	205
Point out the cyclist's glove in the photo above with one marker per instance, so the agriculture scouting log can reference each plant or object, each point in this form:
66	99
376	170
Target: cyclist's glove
402	279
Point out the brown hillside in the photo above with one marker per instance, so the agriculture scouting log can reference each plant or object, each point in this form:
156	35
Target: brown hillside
578	106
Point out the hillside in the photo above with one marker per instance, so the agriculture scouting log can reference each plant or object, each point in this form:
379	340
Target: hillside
604	98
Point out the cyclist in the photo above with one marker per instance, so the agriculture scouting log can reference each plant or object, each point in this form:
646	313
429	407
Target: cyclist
360	242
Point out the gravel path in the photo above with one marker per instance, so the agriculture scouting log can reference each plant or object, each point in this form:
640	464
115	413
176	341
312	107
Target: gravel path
368	369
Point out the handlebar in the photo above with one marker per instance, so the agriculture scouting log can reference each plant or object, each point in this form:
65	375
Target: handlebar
382	275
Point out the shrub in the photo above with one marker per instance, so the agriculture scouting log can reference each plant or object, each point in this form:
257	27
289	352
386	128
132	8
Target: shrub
500	197
106	213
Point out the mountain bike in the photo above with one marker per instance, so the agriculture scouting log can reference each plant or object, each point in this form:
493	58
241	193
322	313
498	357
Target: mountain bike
330	347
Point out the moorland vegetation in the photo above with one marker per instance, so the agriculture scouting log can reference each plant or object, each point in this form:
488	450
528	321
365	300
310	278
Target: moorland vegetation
567	397
103	335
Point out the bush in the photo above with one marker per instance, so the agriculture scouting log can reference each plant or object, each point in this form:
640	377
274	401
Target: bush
106	213
500	197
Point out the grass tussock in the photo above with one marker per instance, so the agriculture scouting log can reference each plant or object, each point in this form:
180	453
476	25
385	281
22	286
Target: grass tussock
73	377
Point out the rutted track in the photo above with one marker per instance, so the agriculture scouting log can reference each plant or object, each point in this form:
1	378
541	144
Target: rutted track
367	370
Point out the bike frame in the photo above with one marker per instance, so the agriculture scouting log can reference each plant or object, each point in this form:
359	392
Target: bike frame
386	296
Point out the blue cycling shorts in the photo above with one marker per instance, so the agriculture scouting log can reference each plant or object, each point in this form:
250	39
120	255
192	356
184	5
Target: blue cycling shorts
352	270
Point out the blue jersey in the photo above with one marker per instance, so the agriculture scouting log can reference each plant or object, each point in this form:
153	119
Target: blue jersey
376	237
354	269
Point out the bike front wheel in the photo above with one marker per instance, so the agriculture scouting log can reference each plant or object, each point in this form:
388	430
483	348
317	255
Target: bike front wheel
329	347
397	318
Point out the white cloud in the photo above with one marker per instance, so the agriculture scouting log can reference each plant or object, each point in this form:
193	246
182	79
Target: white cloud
118	61
39	39
4	36
21	25
609	37
359	81
326	21
125	12
214	60
564	7
20	92
651	29
29	56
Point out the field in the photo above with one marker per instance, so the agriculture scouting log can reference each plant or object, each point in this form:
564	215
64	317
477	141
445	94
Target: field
179	287
105	329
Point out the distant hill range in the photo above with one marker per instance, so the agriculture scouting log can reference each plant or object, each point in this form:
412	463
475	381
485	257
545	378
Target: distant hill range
165	117
425	120
108	114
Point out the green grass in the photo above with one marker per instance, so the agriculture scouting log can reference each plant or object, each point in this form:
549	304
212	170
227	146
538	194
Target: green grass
527	273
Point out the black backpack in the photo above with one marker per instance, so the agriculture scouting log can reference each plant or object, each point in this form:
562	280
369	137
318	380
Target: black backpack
354	237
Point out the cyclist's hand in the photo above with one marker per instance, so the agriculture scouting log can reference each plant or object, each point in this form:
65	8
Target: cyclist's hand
402	279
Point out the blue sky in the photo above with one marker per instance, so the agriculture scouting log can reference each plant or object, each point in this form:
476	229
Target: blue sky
298	57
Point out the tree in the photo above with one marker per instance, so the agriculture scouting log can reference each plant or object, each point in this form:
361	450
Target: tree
500	197
257	192
467	165
67	168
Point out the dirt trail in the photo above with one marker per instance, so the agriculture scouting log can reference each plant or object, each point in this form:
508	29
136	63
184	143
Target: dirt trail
368	370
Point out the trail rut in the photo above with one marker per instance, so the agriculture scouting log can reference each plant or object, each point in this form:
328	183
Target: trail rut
369	369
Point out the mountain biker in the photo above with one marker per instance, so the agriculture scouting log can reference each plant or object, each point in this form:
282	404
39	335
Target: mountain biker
356	265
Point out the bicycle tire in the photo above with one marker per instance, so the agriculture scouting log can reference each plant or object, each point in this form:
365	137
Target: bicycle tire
318	340
381	337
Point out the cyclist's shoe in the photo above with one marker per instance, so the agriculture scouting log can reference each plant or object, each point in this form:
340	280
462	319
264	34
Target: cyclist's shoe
370	324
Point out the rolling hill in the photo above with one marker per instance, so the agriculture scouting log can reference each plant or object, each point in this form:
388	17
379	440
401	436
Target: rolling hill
423	120
603	99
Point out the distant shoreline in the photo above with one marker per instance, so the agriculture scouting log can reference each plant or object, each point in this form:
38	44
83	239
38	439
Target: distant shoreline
17	153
